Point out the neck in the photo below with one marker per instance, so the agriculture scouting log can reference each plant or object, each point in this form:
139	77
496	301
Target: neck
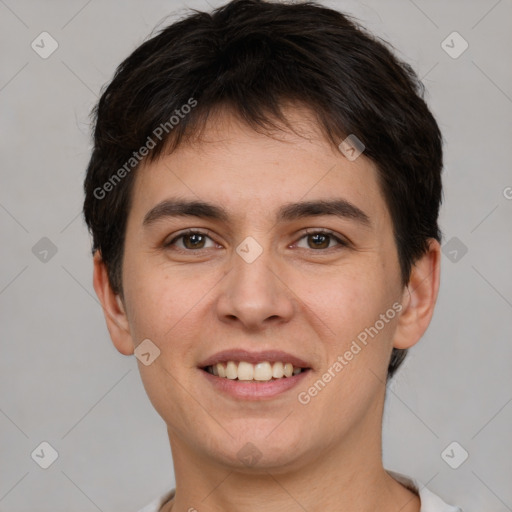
340	476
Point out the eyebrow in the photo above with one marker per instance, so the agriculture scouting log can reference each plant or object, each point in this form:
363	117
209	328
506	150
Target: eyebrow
288	212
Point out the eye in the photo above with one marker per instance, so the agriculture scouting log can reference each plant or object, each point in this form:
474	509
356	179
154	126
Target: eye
322	240
191	240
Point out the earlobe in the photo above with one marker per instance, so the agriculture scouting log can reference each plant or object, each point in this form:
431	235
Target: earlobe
419	298
113	308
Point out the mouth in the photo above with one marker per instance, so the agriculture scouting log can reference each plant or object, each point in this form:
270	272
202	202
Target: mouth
254	376
260	372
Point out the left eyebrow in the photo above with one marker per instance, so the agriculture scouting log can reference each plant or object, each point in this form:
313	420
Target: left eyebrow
337	207
291	211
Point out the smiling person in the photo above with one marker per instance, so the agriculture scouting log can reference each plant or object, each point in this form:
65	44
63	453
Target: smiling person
263	197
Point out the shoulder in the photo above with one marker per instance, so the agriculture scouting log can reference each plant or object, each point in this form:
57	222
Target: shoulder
155	505
430	502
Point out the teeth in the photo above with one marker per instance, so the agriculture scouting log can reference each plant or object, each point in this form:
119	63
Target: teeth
262	371
243	370
221	371
231	370
277	370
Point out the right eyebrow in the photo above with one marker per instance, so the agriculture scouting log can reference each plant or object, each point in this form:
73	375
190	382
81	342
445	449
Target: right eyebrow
182	208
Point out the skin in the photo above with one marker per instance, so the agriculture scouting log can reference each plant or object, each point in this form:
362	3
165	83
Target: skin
308	301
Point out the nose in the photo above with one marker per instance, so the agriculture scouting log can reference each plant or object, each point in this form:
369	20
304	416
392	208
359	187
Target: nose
255	294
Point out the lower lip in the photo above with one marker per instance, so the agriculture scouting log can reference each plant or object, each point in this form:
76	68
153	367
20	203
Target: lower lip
254	390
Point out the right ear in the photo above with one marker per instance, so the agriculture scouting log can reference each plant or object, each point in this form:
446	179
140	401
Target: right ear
113	308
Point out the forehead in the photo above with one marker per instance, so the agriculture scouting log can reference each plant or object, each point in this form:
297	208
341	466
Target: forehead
245	171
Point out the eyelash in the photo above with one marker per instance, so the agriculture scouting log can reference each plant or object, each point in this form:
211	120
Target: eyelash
341	242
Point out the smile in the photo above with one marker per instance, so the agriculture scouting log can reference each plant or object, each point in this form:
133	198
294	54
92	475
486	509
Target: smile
247	375
261	372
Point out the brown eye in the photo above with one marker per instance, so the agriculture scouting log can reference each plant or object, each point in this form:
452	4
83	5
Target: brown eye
319	241
322	240
191	240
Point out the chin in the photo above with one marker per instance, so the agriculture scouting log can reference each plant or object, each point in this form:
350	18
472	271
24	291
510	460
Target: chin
258	452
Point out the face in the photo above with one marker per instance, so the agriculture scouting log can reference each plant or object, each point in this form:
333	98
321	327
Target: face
291	260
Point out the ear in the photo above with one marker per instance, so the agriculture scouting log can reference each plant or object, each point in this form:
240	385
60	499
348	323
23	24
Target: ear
113	308
419	298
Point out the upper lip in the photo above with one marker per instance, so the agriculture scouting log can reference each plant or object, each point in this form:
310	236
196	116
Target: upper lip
272	356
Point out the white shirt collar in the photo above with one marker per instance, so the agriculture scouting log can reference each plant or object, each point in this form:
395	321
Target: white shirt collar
430	502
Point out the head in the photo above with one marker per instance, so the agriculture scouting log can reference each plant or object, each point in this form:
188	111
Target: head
245	109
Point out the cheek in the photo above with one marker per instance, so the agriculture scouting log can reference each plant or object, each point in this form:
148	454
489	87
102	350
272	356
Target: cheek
356	345
348	301
160	298
358	341
163	306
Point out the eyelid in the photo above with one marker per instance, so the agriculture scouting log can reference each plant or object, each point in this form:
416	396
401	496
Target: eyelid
185	232
342	241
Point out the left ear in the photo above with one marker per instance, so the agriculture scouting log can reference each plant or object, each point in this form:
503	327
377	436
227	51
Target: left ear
419	298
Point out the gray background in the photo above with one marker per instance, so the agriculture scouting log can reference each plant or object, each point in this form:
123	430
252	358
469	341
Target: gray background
62	381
